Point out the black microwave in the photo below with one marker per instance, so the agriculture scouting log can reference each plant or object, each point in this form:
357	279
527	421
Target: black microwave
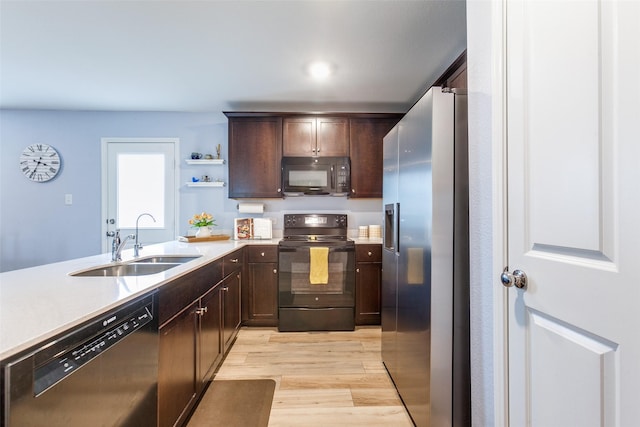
316	176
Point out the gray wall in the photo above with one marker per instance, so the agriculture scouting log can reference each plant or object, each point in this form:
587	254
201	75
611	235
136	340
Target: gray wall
36	227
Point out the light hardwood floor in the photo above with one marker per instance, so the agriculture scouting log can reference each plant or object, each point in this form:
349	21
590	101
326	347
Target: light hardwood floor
322	378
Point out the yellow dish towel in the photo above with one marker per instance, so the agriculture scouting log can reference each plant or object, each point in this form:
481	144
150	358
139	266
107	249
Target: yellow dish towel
319	266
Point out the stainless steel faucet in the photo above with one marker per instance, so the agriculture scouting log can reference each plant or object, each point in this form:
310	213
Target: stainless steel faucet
117	245
138	245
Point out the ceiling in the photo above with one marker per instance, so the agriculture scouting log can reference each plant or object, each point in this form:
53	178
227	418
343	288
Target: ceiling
212	55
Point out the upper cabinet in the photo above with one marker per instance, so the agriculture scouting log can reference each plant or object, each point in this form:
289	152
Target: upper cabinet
315	136
255	151
365	137
259	140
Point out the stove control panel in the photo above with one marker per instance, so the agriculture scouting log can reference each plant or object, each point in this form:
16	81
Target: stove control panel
315	221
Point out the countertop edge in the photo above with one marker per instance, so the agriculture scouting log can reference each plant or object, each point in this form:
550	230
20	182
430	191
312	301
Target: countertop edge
19	287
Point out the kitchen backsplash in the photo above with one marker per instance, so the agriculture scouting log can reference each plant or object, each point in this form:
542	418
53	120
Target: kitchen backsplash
360	212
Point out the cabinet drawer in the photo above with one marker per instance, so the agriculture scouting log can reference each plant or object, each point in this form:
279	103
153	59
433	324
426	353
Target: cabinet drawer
179	293
368	253
265	253
232	262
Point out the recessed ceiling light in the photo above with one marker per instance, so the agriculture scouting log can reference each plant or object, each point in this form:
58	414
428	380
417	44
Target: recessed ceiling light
319	70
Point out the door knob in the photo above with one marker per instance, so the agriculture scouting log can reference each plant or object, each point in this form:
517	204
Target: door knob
517	278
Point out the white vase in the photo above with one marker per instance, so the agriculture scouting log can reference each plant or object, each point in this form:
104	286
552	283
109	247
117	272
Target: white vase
203	232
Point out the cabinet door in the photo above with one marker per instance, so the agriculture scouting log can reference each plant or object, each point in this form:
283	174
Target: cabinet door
366	155
177	385
231	316
255	151
368	285
299	136
332	137
210	337
262	281
315	136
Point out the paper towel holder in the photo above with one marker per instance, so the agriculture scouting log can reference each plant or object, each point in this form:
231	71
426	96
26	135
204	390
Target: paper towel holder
256	208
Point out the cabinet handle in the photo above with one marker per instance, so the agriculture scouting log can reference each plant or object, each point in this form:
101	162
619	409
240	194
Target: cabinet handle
357	270
261	253
201	311
275	271
279	190
226	288
235	260
369	253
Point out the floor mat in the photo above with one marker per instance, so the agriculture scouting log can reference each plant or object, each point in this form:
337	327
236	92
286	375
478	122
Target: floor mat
232	403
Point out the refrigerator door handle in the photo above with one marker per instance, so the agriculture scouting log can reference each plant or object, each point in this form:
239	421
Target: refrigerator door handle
389	241
397	228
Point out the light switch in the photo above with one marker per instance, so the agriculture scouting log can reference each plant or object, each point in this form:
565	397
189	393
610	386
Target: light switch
68	199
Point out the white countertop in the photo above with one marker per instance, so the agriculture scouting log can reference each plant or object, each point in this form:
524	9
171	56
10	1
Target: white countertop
40	302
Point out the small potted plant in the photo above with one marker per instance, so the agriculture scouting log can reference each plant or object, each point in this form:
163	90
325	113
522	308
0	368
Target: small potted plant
202	222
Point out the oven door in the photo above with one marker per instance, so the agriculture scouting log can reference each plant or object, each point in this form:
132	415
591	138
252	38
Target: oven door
295	287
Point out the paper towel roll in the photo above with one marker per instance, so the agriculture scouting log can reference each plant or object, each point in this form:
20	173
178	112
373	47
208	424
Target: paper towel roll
257	208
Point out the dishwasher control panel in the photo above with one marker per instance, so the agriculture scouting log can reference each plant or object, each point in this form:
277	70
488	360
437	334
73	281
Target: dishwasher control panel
52	372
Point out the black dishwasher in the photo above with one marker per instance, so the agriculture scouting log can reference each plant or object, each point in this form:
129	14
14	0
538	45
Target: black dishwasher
103	373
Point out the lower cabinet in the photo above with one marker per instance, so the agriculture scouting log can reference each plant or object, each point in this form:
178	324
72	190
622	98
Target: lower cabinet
260	300
191	313
231	317
368	284
177	386
210	344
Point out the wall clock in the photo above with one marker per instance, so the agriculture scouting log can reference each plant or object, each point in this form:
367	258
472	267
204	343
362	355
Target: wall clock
40	162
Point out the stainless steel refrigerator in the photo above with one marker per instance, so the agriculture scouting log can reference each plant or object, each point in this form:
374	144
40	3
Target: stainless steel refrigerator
425	273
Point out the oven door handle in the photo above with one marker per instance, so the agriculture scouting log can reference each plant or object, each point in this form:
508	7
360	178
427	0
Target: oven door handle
331	248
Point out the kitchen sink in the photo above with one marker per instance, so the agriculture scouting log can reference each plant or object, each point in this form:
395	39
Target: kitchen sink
131	269
172	259
140	267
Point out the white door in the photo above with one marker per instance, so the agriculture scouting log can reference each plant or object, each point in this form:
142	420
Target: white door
573	120
139	177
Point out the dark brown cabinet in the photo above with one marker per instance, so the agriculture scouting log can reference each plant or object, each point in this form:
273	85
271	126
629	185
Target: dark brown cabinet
231	291
231	319
210	339
368	283
190	334
258	141
365	138
177	385
255	151
315	136
261	296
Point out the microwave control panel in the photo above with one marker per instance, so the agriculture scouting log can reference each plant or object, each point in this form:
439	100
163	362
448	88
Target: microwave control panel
342	179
